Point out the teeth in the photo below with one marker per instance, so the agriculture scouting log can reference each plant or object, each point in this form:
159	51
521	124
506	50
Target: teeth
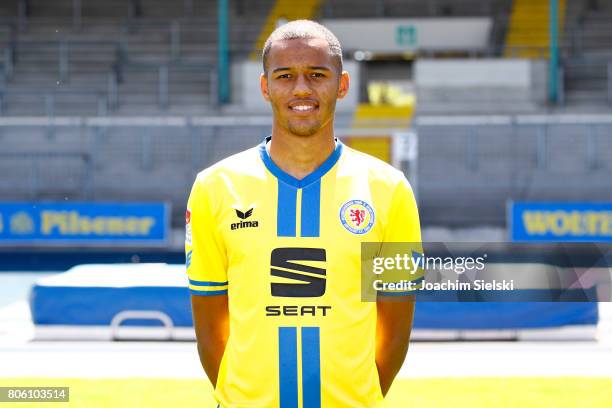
302	108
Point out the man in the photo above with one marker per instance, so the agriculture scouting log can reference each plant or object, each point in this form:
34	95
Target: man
273	248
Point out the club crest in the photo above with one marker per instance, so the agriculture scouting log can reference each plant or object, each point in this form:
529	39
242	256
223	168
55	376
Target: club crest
357	216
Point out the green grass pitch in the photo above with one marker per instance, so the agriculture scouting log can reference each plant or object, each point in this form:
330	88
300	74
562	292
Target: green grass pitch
439	392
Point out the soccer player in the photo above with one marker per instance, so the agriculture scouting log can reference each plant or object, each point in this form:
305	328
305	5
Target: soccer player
273	247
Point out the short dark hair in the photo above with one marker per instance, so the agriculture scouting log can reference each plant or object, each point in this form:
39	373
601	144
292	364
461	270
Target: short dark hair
303	29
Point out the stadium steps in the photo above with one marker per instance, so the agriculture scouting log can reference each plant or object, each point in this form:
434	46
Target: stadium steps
586	76
411	8
9	8
528	32
586	97
37	74
26	77
505	168
37	139
65	105
78	71
51	176
5	36
151	98
586	83
146	40
64	8
185	89
288	10
197	108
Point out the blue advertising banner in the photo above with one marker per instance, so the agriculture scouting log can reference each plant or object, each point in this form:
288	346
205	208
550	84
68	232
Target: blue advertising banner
560	222
84	223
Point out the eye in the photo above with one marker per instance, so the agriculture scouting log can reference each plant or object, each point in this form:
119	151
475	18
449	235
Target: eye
317	75
284	76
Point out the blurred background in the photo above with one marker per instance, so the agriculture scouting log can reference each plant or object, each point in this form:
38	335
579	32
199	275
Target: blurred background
498	111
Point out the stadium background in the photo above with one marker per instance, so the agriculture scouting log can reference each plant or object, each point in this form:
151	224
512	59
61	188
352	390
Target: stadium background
106	105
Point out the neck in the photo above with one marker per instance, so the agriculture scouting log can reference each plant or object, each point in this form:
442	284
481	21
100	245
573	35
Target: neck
299	156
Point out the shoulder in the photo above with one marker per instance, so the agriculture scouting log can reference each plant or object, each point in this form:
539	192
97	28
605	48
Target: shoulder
376	171
237	168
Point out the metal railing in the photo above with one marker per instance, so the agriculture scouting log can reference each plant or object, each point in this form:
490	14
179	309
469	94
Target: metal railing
43	176
594	69
470	167
467	166
116	67
62	47
163	82
609	77
185	144
543	129
133	10
49	100
428	8
173	30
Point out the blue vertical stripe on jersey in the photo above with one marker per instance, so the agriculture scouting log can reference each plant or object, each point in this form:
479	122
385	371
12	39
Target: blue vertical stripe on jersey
311	367
285	213
287	367
287	194
311	204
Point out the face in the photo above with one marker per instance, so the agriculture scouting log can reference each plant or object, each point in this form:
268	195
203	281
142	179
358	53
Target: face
302	85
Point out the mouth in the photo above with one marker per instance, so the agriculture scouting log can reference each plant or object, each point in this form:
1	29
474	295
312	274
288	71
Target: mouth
303	106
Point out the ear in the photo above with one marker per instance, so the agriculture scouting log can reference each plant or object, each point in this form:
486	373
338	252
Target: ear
263	83
344	84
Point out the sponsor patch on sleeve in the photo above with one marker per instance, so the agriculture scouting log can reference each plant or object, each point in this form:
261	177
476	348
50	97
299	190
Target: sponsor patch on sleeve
188	259
188	227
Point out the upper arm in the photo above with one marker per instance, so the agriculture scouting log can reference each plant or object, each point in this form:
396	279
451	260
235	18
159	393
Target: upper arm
394	318
403	223
206	262
211	323
205	250
210	317
402	236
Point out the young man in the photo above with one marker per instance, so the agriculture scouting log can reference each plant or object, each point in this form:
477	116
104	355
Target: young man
273	248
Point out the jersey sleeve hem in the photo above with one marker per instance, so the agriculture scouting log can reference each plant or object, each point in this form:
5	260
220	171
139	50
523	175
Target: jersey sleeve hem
207	283
207	287
207	292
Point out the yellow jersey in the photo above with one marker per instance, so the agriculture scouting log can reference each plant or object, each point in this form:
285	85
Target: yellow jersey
286	252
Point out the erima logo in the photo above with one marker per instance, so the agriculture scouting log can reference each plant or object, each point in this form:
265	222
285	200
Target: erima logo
309	280
243	216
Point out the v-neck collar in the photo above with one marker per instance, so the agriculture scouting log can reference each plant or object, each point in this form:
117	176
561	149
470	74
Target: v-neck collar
289	179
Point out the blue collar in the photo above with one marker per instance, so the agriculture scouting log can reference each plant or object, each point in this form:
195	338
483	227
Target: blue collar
289	179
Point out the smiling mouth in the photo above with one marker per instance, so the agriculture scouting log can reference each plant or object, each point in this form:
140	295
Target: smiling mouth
303	107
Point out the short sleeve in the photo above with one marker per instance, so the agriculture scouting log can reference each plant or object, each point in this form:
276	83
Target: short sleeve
205	252
403	225
402	235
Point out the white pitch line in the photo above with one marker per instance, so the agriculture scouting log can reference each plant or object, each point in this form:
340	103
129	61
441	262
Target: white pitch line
180	360
101	360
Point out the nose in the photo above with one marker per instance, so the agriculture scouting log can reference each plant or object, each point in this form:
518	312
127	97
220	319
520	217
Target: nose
301	87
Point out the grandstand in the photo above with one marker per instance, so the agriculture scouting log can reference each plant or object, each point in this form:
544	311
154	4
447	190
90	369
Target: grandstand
122	59
118	57
587	68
